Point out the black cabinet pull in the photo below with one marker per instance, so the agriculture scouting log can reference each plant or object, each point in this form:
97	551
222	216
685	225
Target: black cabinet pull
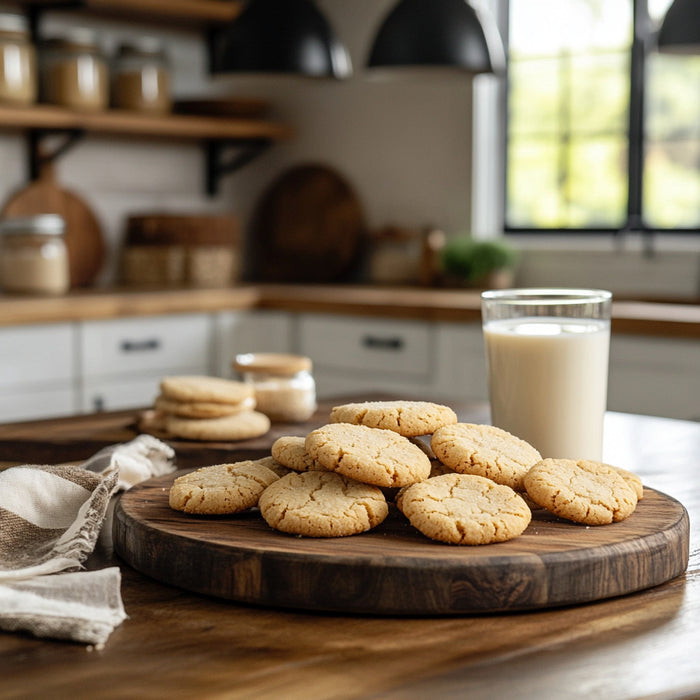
376	343
139	345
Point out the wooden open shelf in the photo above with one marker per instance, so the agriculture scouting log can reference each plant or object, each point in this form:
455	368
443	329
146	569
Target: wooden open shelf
118	122
199	12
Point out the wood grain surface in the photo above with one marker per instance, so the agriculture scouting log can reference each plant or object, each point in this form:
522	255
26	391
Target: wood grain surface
394	569
181	645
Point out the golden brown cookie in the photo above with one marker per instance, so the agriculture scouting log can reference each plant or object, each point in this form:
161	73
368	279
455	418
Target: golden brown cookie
221	488
273	465
290	451
633	481
205	389
581	490
322	504
201	409
485	450
370	455
464	509
407	418
240	426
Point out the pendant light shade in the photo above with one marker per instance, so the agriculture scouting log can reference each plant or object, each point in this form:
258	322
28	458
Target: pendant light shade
281	36
680	31
439	33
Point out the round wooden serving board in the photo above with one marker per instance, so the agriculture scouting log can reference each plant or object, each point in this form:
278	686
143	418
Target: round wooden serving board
394	570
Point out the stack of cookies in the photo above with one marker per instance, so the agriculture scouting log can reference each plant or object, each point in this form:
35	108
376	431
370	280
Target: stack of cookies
467	484
205	408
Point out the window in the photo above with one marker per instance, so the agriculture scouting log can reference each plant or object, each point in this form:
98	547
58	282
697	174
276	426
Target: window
602	135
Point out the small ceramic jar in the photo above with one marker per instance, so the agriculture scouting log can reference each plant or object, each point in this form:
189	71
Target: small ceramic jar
18	77
33	255
285	389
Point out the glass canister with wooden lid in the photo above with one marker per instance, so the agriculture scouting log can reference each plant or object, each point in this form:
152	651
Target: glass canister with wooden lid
74	71
18	75
141	77
285	389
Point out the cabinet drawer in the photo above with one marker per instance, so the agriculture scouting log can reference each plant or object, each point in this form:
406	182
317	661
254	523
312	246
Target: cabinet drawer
31	355
158	344
45	402
371	345
119	394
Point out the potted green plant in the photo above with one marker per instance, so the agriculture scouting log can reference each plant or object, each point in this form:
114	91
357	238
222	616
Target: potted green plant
476	263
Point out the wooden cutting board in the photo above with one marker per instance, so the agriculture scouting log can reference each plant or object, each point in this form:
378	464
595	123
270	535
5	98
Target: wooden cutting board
84	240
394	570
309	226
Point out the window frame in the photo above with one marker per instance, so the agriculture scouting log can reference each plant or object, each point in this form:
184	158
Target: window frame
642	43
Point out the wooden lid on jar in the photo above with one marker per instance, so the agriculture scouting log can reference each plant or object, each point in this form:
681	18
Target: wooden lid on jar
272	363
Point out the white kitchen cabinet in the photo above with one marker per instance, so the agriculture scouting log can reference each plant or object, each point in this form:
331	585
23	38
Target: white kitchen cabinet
655	376
460	362
37	371
355	355
122	361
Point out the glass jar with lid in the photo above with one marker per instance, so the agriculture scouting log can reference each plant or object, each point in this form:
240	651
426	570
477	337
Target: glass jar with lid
74	72
18	77
141	77
33	255
285	389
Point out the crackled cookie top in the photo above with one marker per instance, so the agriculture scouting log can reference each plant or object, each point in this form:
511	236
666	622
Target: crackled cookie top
408	418
371	455
581	490
464	509
240	426
221	489
290	451
485	450
322	504
206	389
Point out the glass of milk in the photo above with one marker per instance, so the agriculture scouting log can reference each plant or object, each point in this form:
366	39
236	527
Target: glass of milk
547	356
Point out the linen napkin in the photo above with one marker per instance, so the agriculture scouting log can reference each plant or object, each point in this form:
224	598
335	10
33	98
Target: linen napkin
50	519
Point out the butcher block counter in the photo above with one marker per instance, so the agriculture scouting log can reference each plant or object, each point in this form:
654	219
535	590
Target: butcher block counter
669	319
180	644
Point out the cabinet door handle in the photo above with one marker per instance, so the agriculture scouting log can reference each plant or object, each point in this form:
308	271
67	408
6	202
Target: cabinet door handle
374	342
139	345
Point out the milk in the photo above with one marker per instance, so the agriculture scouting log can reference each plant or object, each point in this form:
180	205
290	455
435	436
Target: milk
548	381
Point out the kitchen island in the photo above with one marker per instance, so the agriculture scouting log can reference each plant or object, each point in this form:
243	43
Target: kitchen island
179	644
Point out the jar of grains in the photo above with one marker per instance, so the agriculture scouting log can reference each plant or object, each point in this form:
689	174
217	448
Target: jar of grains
33	255
74	72
141	77
285	389
18	81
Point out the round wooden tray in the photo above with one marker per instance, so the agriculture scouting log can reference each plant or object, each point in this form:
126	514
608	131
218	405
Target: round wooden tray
394	570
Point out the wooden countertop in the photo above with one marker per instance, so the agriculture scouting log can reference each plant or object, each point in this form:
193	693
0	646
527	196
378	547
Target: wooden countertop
180	645
666	319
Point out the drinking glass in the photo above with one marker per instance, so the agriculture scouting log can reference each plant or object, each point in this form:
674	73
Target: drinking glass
547	357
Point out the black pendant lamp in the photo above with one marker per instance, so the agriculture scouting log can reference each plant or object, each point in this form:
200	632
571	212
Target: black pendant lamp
680	30
281	36
438	33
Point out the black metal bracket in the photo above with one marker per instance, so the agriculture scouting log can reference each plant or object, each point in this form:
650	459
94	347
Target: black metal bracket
216	166
38	153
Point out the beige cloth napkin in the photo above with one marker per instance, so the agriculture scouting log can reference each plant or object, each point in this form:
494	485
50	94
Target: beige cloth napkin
50	518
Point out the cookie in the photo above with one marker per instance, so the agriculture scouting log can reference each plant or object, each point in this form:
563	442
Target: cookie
407	418
633	481
221	489
485	450
201	409
273	465
464	509
290	451
322	504
240	426
370	455
205	389
580	490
